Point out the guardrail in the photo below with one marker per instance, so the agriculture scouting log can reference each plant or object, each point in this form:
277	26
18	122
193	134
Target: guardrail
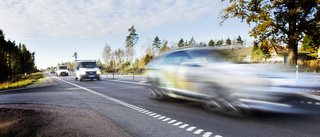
126	76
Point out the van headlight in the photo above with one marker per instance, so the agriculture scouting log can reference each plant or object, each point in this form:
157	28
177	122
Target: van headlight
82	72
98	72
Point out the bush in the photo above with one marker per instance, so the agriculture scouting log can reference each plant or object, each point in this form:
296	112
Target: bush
309	65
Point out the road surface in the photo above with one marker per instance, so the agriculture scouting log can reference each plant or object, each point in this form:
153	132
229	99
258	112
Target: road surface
124	102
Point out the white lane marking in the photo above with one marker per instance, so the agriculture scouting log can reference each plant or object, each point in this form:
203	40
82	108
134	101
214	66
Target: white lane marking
177	124
162	117
144	111
166	119
199	131
208	134
191	128
184	126
149	113
317	103
172	121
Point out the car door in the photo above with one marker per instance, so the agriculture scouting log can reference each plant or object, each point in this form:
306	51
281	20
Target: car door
174	74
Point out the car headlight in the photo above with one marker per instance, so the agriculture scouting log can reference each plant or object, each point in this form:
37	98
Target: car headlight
98	72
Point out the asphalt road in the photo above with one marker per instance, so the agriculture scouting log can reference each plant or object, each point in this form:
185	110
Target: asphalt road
125	103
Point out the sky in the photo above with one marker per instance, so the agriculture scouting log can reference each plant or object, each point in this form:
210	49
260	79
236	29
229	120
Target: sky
55	29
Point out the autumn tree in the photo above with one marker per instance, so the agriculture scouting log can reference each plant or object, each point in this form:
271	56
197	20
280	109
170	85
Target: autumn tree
119	54
107	55
284	20
165	47
145	60
228	42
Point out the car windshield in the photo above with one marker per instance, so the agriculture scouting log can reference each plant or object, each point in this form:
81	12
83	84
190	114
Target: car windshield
206	55
88	64
63	67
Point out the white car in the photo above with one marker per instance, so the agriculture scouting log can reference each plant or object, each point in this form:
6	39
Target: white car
62	70
202	74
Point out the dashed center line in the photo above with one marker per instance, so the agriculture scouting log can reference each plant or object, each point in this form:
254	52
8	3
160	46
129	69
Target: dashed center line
147	112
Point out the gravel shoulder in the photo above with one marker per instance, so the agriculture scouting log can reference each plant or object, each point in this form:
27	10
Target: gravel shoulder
48	120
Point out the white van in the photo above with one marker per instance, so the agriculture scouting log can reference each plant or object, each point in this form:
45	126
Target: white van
86	69
62	70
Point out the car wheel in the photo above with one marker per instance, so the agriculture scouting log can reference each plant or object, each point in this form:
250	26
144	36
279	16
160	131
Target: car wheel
80	79
220	100
239	110
76	78
154	93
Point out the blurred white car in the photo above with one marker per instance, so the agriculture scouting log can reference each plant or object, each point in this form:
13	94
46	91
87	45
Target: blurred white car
62	70
203	75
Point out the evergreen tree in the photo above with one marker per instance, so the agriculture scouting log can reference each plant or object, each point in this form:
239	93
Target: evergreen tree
211	43
156	44
131	41
181	43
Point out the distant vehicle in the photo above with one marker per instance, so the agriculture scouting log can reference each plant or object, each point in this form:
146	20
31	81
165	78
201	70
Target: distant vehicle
86	69
202	74
62	70
52	71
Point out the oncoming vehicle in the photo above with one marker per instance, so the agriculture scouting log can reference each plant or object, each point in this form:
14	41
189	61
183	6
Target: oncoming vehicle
52	71
62	70
86	69
202	74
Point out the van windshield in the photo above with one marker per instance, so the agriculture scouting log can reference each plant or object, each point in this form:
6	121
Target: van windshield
88	64
63	67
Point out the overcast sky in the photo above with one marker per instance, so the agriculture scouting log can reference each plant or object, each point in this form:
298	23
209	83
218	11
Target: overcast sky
55	29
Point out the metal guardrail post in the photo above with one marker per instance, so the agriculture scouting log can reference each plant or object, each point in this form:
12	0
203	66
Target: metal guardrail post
133	75
113	75
297	72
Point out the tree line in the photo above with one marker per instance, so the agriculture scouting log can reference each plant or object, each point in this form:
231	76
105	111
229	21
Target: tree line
117	59
14	59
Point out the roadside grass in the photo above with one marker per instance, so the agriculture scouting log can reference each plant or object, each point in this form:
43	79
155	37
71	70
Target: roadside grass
21	81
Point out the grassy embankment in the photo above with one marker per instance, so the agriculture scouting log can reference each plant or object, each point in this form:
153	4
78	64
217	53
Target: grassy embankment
21	81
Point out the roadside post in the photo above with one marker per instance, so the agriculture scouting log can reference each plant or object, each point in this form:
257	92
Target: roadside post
297	72
121	73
